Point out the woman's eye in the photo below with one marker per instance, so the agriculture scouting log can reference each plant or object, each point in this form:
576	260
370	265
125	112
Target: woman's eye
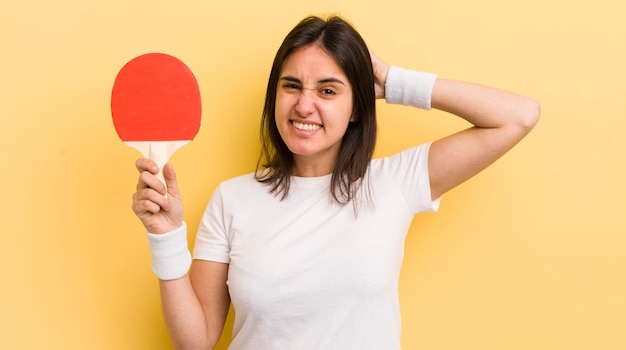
292	86
328	92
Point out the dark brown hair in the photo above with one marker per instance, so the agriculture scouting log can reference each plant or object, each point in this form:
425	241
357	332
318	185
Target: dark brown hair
344	44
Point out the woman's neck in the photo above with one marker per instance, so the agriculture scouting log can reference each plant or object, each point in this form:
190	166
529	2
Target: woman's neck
307	167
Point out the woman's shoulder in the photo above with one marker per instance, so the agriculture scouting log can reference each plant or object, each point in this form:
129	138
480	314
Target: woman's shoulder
409	155
238	189
241	181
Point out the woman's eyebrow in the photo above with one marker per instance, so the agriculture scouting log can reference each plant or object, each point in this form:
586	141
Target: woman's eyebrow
330	80
321	81
291	79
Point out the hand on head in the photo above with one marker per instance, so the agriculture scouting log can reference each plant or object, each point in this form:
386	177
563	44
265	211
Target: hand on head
158	213
380	74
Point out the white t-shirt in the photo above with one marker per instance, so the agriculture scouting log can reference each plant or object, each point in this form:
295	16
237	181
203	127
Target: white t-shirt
307	273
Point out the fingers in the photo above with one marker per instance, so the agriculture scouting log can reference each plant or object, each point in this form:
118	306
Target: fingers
150	194
159	213
147	170
149	200
377	63
148	180
153	211
145	164
152	207
170	180
381	69
145	202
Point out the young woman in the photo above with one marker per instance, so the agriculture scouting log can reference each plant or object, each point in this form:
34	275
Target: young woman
308	248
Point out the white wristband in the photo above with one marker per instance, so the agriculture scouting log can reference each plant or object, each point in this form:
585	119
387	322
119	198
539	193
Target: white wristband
409	88
171	258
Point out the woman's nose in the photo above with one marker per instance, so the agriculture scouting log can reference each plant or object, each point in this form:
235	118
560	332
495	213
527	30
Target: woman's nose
306	103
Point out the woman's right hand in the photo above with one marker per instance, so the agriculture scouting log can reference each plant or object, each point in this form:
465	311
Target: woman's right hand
380	74
158	213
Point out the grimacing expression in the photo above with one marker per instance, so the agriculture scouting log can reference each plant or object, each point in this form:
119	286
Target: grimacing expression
313	106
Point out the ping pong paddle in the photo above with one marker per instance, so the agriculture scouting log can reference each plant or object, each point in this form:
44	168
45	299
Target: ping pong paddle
155	105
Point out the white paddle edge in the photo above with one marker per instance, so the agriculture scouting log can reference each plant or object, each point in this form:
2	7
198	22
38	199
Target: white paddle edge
159	152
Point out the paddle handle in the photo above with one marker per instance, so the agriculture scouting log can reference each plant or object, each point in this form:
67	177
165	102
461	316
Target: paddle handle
158	151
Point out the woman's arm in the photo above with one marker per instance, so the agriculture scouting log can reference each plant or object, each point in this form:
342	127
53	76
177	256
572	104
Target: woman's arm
195	304
500	120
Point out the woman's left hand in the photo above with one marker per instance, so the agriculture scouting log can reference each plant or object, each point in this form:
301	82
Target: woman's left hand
380	74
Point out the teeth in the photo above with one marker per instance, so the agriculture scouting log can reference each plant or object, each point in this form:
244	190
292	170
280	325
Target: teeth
308	127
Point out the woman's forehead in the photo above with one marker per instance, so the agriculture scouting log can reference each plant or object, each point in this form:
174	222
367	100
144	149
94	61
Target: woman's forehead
312	62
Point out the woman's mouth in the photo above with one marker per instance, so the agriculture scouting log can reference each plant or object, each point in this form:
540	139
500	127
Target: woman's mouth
305	126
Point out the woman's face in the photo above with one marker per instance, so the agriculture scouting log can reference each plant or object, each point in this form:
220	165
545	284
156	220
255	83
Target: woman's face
313	109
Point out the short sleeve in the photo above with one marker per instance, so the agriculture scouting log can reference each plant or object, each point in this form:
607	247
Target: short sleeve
409	171
212	239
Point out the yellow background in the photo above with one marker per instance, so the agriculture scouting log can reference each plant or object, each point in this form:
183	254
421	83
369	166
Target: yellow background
530	254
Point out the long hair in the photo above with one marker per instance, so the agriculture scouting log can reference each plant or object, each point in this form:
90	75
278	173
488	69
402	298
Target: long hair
344	44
